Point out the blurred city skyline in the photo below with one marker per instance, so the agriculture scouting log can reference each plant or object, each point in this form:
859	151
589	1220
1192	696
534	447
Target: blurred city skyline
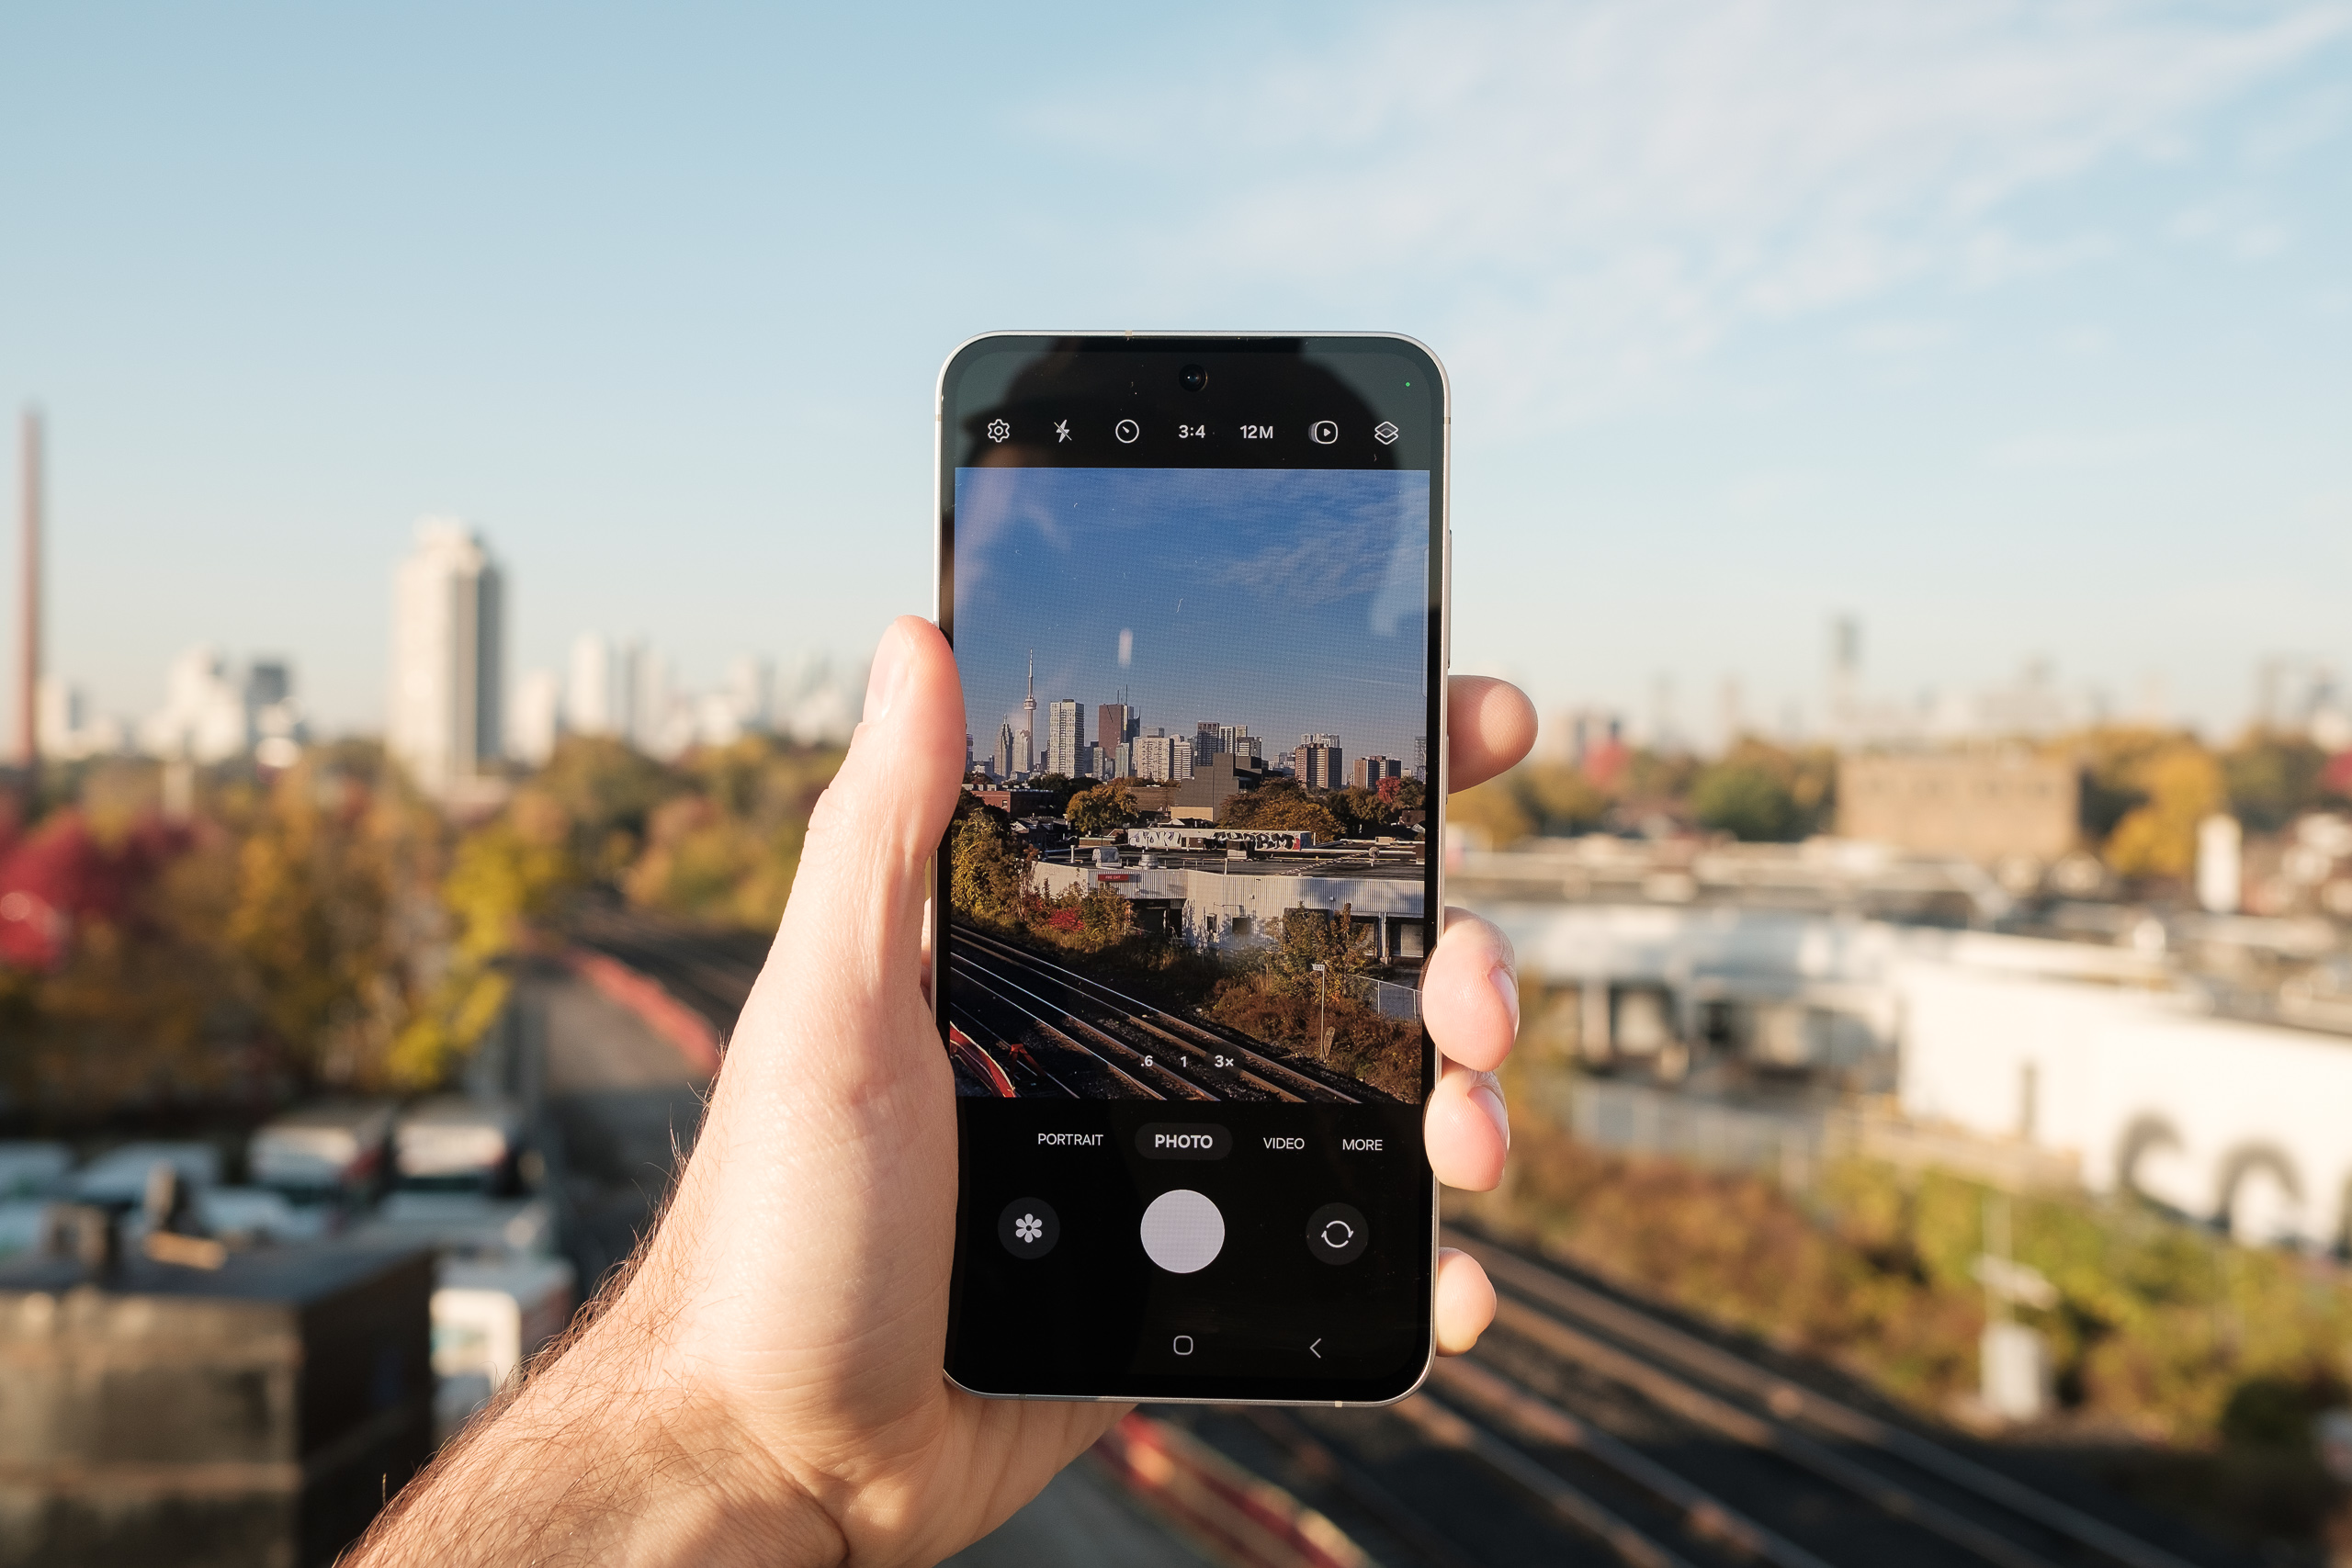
2020	336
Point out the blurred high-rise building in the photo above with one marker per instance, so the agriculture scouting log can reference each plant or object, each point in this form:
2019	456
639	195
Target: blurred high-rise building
539	718
750	692
1003	758
204	717
68	729
593	703
663	727
448	658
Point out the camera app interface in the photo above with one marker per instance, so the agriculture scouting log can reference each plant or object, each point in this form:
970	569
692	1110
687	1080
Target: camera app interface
1189	862
1182	910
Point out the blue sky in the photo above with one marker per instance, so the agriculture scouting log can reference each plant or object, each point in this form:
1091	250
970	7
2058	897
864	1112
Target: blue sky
2019	330
1289	601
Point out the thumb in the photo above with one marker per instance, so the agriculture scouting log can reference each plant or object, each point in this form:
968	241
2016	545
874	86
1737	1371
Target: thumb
856	907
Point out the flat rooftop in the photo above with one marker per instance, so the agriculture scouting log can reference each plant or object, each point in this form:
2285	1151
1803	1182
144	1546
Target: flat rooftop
1301	863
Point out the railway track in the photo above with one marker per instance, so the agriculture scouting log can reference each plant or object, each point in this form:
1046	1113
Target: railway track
710	972
1174	1057
1585	1430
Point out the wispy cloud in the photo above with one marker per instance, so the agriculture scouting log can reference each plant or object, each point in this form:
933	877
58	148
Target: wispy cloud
2083	450
1621	187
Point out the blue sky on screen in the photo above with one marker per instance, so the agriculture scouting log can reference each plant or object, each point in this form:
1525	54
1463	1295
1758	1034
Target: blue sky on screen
1293	603
2019	332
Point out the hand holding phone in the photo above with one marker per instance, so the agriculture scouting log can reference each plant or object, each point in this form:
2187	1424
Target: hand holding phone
764	1383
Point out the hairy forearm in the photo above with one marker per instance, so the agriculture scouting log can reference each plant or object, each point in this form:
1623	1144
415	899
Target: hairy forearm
603	1456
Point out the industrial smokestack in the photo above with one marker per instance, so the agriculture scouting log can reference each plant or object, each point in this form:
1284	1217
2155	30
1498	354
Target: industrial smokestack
28	672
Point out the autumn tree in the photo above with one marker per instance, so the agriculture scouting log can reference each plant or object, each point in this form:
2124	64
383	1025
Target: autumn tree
990	871
504	881
314	928
2182	786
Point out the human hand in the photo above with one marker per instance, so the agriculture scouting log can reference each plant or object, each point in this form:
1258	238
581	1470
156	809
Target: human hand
768	1387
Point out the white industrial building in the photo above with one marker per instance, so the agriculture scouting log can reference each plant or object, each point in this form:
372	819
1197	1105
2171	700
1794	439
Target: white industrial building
1239	902
2111	1057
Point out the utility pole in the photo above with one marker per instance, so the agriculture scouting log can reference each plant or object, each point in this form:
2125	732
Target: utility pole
1322	1034
28	672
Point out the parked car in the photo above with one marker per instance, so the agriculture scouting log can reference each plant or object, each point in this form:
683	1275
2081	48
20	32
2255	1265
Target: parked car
336	1152
117	1178
452	1144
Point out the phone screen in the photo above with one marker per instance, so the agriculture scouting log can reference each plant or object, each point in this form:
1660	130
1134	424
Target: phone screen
1196	590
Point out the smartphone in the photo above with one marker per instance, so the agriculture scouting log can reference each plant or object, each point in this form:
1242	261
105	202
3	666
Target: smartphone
1197	590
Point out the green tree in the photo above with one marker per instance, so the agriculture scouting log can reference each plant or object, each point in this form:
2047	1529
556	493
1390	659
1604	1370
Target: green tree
1362	813
1561	799
1280	805
1746	800
1312	937
2272	778
609	790
1102	809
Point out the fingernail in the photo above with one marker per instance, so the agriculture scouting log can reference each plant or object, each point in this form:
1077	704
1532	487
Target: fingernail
1506	986
889	673
1490	1100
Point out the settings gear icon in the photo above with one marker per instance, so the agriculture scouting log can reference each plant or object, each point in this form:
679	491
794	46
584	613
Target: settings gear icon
1000	430
1029	1227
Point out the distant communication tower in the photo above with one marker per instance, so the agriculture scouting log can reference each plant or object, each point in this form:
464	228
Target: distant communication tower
1029	718
28	665
1846	679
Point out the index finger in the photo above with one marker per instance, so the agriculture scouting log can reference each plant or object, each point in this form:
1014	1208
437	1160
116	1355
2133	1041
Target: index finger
1491	724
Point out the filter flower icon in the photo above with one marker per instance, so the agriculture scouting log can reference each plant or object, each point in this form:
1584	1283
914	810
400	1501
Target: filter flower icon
1028	1227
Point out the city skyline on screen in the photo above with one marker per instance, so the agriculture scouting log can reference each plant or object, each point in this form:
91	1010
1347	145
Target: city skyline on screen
1291	602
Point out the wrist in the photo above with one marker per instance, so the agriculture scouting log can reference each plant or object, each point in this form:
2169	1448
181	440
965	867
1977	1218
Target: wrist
612	1454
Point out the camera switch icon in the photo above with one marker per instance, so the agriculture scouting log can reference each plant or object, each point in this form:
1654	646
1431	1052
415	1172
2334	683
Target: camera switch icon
1323	432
